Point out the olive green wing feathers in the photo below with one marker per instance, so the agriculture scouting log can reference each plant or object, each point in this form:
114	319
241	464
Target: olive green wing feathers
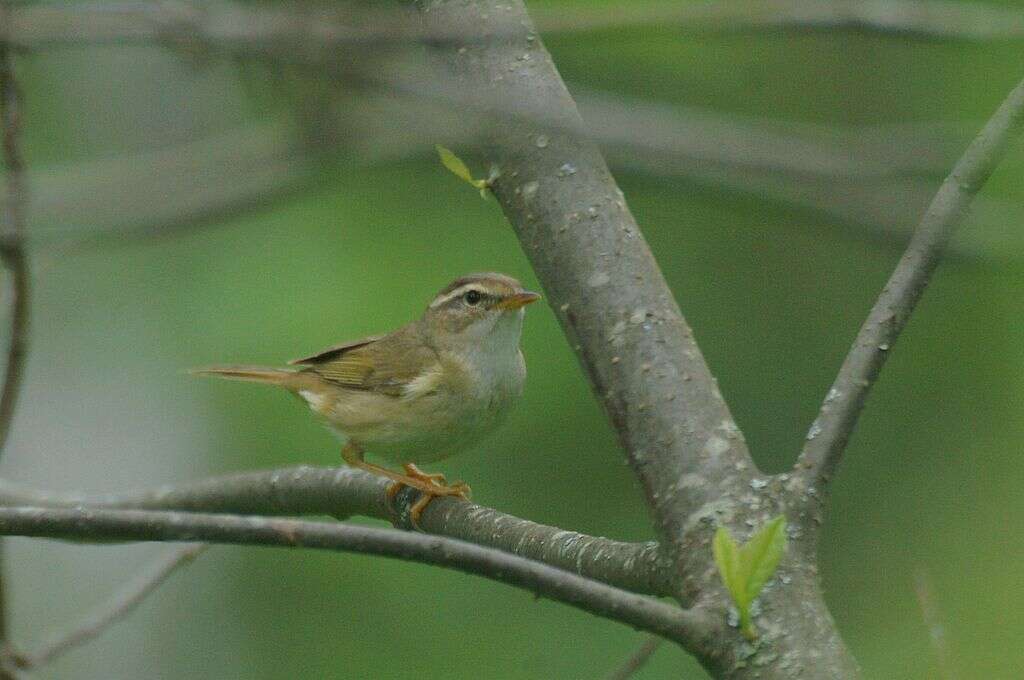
335	351
384	364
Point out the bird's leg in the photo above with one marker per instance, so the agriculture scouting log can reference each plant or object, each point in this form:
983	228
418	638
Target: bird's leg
353	455
429	485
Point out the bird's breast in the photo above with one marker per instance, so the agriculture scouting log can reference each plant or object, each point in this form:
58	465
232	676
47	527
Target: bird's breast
475	396
494	382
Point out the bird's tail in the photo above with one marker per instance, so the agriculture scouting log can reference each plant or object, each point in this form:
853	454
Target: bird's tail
259	374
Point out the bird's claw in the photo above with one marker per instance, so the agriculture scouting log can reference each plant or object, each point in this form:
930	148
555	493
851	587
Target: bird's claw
430	486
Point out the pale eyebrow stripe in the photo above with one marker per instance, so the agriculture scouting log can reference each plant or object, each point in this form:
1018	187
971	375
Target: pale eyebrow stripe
454	294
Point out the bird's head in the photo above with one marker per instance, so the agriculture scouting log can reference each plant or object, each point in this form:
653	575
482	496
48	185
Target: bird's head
479	312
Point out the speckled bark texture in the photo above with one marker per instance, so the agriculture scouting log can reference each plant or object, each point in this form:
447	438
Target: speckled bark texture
624	323
343	492
97	524
598	273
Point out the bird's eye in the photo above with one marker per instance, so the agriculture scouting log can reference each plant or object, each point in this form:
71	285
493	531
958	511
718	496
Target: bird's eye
473	297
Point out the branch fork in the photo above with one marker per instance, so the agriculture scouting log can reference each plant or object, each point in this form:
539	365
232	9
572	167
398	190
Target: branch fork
641	357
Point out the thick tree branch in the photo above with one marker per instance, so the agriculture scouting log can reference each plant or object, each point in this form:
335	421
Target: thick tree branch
343	492
599	274
690	628
120	605
830	432
640	355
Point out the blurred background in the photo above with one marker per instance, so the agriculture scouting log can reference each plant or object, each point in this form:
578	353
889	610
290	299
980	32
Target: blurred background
200	197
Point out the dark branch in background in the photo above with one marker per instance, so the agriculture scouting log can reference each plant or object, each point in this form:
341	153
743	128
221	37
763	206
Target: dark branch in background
846	173
926	18
833	170
12	252
201	182
40	26
830	432
850	174
12	249
637	661
689	627
344	492
120	605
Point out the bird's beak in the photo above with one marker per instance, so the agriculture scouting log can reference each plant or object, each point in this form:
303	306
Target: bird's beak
516	301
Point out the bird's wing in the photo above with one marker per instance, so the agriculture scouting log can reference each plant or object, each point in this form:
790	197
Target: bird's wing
386	365
334	351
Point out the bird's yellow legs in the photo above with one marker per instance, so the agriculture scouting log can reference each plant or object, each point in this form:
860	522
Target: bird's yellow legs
430	486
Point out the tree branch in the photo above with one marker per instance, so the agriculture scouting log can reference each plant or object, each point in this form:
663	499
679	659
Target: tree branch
200	182
625	326
344	492
598	273
12	249
691	628
926	18
120	605
12	252
830	432
102	201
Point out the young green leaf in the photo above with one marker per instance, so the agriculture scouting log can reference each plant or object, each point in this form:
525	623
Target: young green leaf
727	559
760	555
459	169
745	570
454	163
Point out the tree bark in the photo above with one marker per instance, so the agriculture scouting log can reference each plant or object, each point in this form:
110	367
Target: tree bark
343	492
640	355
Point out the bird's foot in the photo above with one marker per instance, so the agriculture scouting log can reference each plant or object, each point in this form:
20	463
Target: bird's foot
430	486
432	477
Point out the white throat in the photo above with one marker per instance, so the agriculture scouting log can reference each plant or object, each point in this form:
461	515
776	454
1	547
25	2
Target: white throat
492	351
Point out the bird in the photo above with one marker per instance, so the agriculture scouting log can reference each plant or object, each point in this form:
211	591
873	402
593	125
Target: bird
419	394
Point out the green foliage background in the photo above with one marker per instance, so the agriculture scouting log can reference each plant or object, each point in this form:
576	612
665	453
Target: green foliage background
931	484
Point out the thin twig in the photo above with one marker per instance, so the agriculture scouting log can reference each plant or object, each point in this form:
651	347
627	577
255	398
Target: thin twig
344	492
637	661
13	254
117	607
691	628
831	431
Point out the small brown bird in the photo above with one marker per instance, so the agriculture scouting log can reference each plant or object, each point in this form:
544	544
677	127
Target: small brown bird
423	392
